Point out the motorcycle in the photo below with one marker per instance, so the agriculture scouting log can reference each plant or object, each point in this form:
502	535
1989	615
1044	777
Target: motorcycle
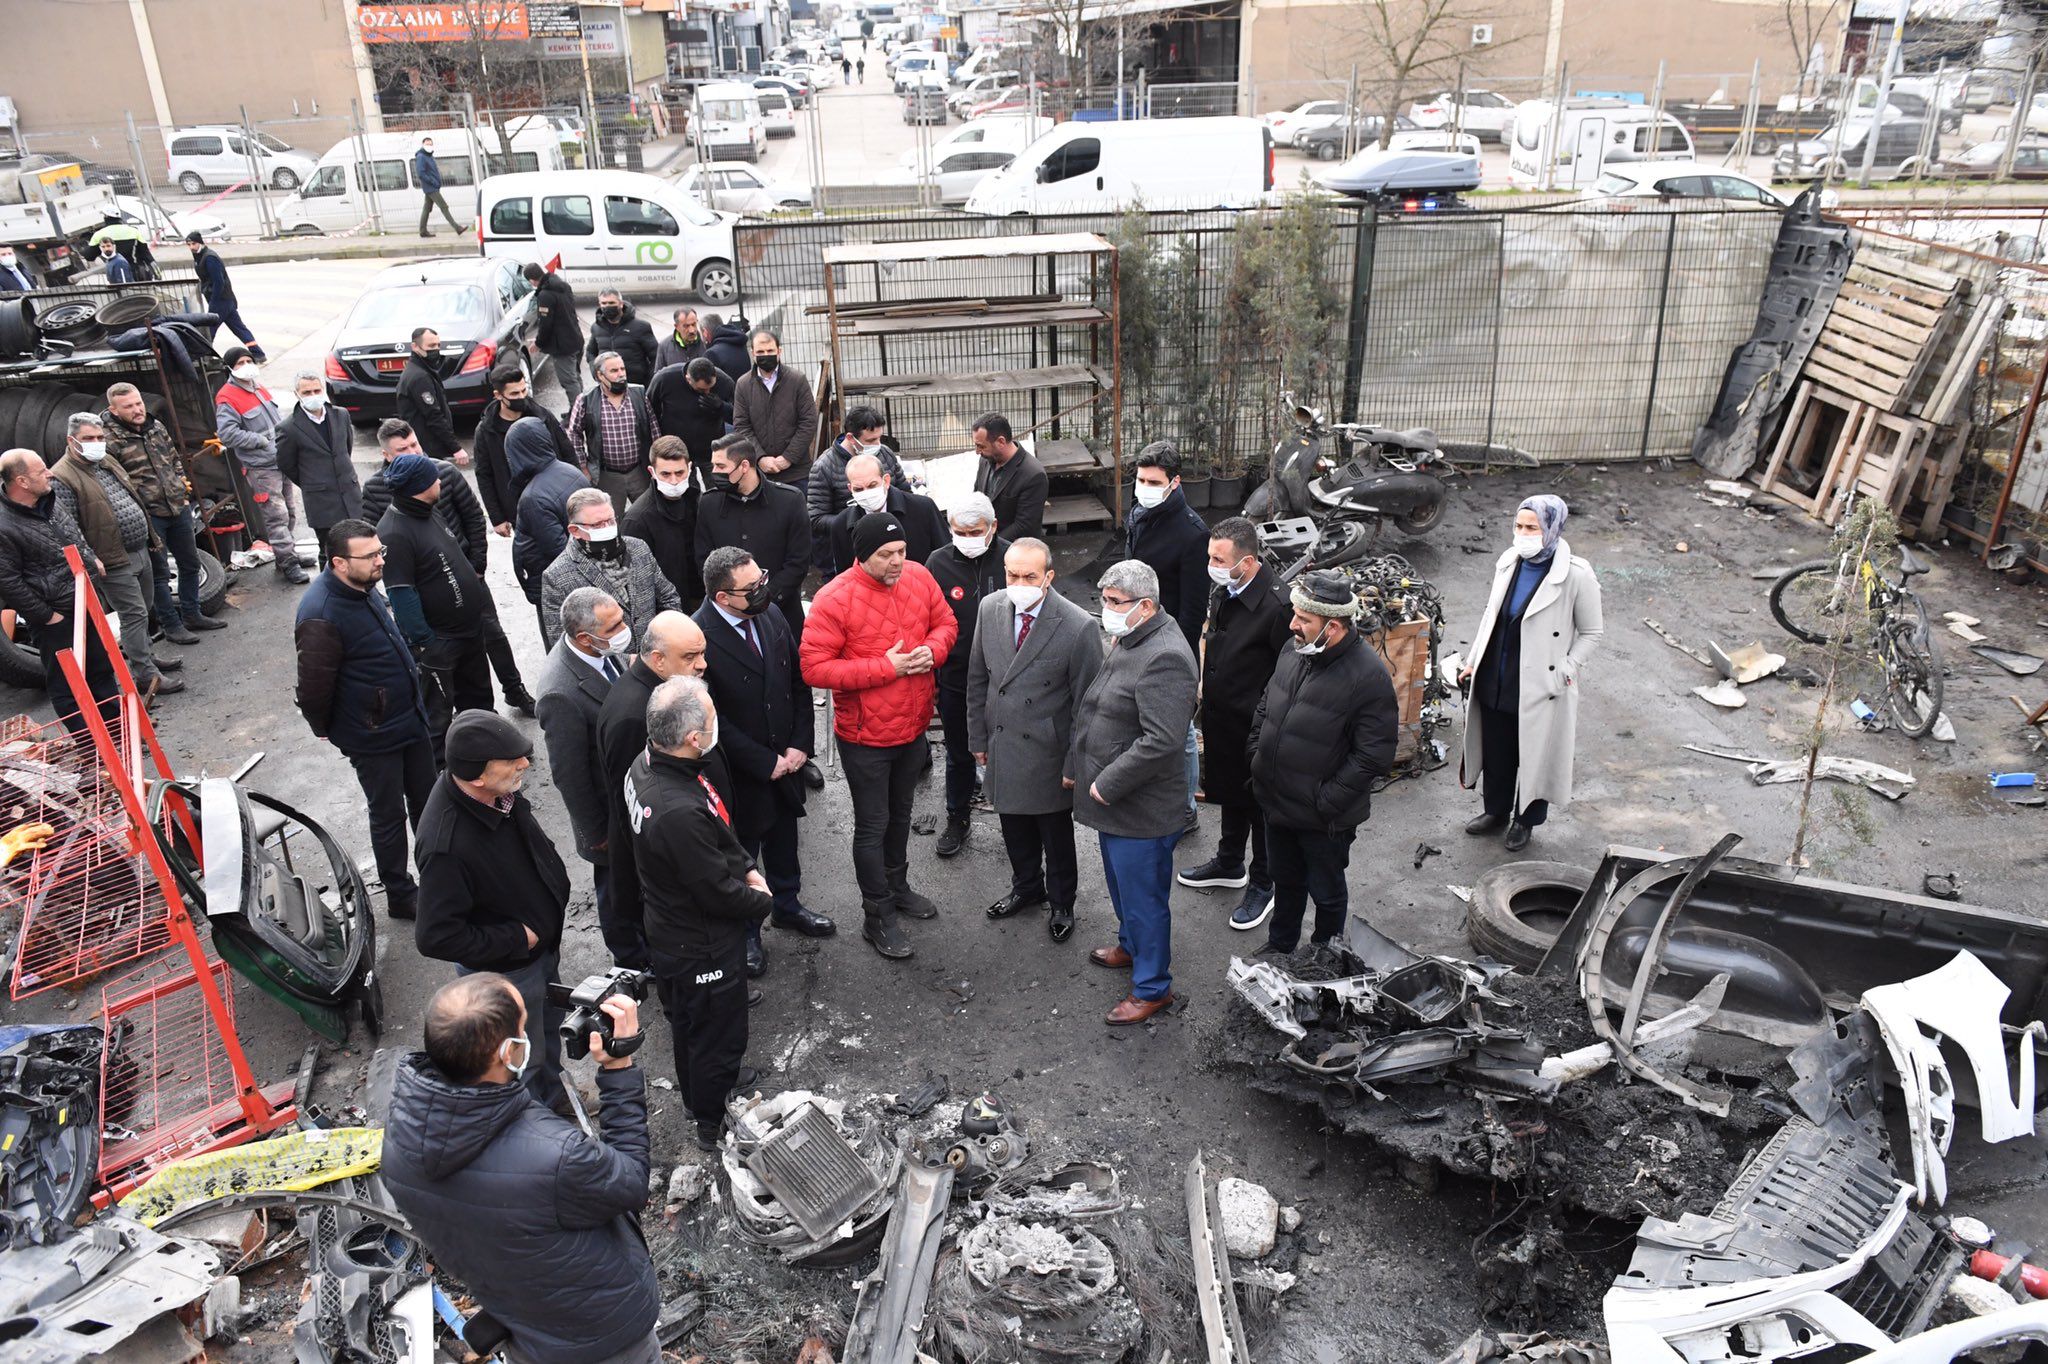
1315	511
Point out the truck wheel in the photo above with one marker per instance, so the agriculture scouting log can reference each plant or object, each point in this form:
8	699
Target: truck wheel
21	665
191	183
1518	909
715	282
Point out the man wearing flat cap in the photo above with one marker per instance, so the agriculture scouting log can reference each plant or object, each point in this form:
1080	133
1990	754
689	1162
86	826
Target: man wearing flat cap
492	887
436	596
1323	734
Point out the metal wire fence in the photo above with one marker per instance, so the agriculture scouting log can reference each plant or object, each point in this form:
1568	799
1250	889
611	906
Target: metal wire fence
1547	335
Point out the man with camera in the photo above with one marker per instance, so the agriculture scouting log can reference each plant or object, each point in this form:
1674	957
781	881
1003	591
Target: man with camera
493	890
537	1218
701	894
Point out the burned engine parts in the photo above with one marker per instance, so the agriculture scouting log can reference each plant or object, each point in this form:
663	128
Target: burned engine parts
49	1129
989	1142
814	1171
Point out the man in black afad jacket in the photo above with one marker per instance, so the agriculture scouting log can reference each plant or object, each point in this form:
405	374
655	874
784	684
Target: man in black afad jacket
494	475
967	568
1325	731
423	399
701	894
492	887
617	328
540	1221
558	332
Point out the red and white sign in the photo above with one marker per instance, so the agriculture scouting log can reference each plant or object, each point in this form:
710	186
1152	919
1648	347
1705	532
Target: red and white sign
458	22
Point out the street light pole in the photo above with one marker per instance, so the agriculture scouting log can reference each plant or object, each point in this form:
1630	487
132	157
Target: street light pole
1892	59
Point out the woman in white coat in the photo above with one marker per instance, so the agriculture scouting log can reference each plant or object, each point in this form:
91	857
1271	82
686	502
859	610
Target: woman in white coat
1542	623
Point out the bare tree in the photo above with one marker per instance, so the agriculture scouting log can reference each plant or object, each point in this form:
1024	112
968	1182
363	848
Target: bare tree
1413	47
489	57
1808	24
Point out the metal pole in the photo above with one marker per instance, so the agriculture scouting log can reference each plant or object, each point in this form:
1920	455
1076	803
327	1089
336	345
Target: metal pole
1548	179
143	184
1657	114
1363	240
1458	107
1924	152
362	168
1657	347
1746	144
2019	453
1120	68
266	223
1349	142
476	161
2017	126
590	152
1892	59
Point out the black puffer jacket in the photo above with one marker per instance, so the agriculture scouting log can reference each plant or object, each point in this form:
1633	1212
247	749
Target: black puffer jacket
457	510
557	329
494	472
34	579
539	1220
727	348
964	582
631	337
1325	729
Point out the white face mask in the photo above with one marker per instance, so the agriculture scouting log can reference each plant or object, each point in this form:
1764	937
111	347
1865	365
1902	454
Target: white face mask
525	1054
313	403
672	490
621	642
1314	646
1117	623
871	499
602	535
1221	576
246	372
973	546
1150	494
1528	546
862	449
707	742
1024	597
94	450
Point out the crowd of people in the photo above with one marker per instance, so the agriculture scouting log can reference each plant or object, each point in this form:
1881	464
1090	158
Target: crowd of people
663	532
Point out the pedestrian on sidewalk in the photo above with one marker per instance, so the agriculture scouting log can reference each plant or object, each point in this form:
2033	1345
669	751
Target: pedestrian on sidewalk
96	492
1542	622
220	294
845	71
860	68
426	171
359	689
144	446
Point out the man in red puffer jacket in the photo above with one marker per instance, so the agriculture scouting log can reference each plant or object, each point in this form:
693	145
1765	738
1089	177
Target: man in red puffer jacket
874	635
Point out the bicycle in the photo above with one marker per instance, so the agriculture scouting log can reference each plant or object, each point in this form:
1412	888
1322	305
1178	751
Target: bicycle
1817	602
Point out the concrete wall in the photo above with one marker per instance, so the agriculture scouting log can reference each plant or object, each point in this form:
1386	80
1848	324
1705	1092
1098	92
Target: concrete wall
73	71
1298	49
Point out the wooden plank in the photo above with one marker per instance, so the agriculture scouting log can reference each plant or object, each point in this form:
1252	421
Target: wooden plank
1898	288
1905	347
1067	456
1846	384
1831	495
911	385
1863	353
1892	264
1802	398
1944	481
966	248
1855	296
1963	363
1076	509
1072	315
1829	358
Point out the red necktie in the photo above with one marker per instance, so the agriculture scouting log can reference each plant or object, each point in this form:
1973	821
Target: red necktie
717	805
747	627
1024	628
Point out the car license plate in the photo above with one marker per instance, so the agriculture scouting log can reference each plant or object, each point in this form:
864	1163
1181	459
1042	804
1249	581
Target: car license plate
390	364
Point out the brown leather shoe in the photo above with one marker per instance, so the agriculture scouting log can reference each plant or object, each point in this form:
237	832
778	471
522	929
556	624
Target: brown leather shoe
1135	1010
1113	956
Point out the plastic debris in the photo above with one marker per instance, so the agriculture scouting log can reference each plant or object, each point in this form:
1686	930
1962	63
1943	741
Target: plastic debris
2001	780
1698	656
1943	730
1746	664
1727	694
1960	619
1962	631
2019	665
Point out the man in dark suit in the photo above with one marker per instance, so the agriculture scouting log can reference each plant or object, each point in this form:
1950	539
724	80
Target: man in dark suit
765	729
966	570
1034	655
1011	477
1248	629
871	490
746	509
574	683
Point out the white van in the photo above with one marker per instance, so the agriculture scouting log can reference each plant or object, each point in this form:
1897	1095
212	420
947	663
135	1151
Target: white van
612	228
1163	162
776	115
913	64
216	157
730	122
336	197
1589	134
990	133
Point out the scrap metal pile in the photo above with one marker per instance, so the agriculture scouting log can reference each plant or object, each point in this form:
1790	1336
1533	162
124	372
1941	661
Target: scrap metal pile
1729	1030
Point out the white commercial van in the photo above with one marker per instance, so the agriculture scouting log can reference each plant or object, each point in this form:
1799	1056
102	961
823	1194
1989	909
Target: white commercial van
612	228
338	194
730	122
1161	162
990	133
1589	133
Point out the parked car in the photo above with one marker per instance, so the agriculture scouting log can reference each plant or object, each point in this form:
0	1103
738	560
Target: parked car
1007	132
1434	140
986	88
957	171
742	189
1679	180
1287	125
119	179
924	99
1327	143
215	157
799	94
1013	102
1380	175
1480	111
1983	162
729	121
481	306
611	227
1838	153
172	227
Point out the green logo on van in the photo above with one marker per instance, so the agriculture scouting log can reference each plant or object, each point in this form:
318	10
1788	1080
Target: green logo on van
655	253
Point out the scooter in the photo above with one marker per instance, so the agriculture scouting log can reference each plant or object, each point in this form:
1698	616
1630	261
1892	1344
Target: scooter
1315	512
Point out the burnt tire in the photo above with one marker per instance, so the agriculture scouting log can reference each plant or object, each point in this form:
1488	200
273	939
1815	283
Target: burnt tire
1519	908
21	664
1423	519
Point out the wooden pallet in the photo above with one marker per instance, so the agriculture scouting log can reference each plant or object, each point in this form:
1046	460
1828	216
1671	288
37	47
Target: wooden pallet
1882	331
1873	453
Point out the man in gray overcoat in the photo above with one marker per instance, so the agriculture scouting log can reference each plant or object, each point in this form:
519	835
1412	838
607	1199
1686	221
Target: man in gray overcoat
1034	655
591	651
1127	766
596	555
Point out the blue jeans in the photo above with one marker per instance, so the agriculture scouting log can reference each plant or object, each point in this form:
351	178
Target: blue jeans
1140	876
177	534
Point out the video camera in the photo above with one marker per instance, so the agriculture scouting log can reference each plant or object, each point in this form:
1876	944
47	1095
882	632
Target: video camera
585	1017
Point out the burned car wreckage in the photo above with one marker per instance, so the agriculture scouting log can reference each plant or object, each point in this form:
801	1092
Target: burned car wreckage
1719	1043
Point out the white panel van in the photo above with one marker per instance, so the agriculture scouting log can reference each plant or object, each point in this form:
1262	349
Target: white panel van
336	196
612	228
1176	163
730	122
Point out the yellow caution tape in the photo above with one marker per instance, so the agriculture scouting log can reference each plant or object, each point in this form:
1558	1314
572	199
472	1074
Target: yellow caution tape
286	1164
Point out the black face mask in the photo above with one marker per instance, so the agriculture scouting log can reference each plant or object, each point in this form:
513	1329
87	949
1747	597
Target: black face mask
720	482
617	386
757	597
605	549
767	363
611	314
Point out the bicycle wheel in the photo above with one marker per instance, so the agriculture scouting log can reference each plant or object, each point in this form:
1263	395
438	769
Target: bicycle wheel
1820	602
1912	671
